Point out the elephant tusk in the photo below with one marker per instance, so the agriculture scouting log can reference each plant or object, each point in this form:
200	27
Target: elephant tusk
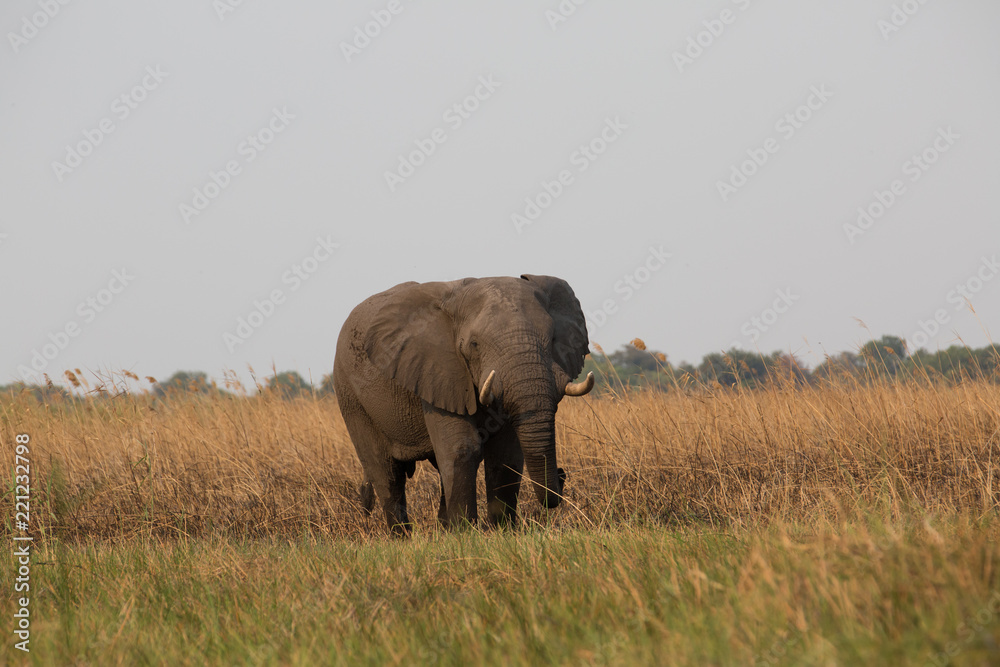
486	394
580	388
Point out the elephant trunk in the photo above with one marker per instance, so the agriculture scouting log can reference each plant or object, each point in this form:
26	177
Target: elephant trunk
537	434
529	396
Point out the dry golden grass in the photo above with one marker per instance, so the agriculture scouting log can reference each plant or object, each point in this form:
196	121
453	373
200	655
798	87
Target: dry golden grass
198	464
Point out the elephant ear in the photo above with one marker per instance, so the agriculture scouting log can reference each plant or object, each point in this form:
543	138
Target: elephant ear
412	340
569	343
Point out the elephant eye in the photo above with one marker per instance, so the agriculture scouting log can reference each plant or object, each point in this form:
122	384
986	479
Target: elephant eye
473	344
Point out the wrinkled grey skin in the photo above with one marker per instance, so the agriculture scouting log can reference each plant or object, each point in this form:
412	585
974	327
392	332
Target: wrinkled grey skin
410	364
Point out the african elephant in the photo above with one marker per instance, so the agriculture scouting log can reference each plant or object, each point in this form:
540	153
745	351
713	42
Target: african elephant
459	373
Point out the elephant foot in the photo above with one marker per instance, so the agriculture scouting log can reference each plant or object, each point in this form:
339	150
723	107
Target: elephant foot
400	531
500	515
397	517
461	523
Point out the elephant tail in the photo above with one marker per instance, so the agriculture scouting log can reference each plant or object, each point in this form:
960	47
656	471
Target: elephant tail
367	492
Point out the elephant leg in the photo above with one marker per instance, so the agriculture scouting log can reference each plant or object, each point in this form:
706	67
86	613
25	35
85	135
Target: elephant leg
443	506
394	500
503	462
367	493
458	453
383	474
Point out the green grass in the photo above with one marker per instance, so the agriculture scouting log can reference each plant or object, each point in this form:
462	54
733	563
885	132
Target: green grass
869	590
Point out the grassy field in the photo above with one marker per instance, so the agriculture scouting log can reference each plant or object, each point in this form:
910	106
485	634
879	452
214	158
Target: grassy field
842	524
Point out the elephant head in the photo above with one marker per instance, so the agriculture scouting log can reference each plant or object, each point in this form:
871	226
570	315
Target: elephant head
463	345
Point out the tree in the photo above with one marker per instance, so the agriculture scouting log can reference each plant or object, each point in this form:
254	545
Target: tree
631	366
687	372
885	355
288	385
788	367
958	363
632	356
736	367
840	365
43	393
184	382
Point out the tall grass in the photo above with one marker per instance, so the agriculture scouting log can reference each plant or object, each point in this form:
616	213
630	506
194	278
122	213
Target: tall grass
198	464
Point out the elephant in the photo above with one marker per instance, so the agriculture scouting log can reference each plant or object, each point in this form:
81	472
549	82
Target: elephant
460	373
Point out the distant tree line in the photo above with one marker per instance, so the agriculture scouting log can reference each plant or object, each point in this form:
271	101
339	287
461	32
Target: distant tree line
286	385
635	366
631	366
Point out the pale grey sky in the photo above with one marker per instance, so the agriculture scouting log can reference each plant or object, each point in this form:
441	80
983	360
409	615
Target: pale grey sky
709	153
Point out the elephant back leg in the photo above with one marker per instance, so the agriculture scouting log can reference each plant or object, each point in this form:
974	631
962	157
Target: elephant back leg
383	474
503	463
367	493
394	500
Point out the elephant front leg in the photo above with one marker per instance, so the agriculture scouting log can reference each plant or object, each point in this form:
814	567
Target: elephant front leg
458	453
503	463
443	505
